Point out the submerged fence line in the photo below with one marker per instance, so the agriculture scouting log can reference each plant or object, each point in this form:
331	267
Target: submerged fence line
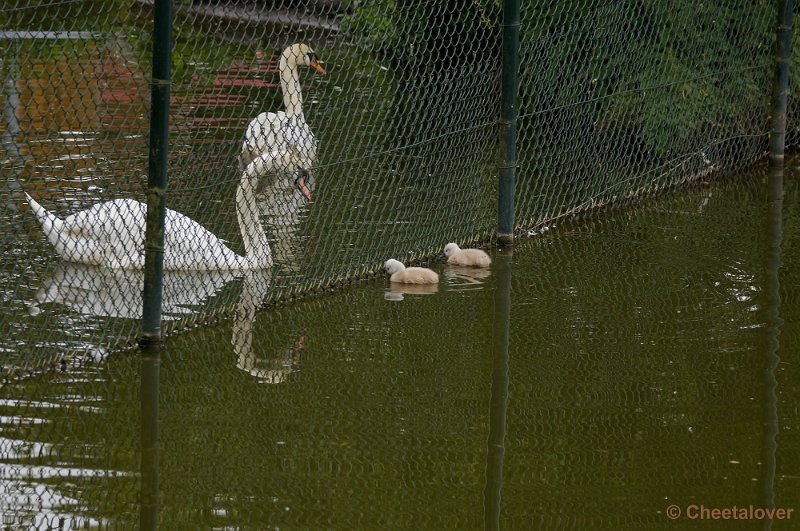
433	123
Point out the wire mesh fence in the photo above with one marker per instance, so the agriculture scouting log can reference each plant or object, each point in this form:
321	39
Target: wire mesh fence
631	98
336	135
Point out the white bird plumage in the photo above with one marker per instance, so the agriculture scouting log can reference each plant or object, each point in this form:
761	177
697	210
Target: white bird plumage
409	275
286	129
112	233
466	257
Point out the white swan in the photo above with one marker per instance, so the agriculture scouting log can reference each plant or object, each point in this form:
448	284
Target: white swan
111	233
409	275
466	257
282	129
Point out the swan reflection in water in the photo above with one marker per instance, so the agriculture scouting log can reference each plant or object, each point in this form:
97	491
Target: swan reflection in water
117	293
272	370
104	292
464	278
396	291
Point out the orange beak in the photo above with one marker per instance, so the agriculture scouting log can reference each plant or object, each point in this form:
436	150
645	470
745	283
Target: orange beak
318	67
300	182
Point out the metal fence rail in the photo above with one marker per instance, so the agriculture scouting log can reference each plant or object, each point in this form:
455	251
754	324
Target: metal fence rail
397	141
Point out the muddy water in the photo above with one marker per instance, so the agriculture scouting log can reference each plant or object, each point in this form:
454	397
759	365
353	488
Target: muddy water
597	375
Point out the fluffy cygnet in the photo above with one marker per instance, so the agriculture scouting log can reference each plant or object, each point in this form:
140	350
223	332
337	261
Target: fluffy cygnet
409	275
466	257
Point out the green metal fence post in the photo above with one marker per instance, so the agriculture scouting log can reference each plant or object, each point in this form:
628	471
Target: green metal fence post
508	123
157	177
781	83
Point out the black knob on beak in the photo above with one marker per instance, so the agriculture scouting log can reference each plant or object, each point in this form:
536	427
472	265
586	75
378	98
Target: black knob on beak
301	182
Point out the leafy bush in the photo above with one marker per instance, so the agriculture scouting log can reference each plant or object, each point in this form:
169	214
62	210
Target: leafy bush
668	73
423	34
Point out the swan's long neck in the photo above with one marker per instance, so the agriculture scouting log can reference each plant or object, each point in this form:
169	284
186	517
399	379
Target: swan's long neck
256	244
290	84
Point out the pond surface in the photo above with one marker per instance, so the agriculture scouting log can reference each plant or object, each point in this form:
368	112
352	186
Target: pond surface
600	373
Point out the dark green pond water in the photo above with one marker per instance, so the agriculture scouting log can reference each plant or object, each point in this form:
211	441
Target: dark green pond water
600	373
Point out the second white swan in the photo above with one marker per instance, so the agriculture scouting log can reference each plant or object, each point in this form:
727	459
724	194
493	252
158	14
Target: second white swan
287	129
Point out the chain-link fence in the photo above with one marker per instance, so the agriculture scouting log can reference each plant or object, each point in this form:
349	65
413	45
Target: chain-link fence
624	99
382	142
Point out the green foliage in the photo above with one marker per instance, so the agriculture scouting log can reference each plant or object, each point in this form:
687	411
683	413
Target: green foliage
373	22
425	34
666	72
675	103
90	15
714	72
